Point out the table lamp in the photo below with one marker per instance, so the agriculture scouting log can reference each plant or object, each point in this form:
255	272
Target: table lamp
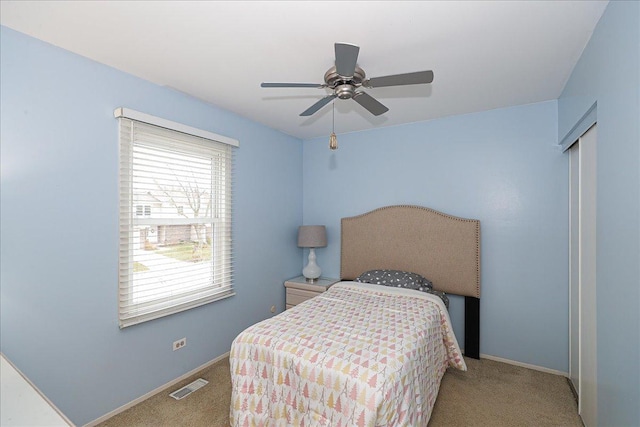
312	236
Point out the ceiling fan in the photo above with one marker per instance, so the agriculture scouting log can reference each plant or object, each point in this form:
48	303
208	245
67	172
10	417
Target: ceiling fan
345	79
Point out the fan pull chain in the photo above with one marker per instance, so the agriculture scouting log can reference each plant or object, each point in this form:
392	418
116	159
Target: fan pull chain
333	140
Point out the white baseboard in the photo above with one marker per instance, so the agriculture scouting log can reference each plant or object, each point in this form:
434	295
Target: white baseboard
524	365
154	392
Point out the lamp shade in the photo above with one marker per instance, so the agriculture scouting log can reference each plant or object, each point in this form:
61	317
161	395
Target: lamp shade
312	236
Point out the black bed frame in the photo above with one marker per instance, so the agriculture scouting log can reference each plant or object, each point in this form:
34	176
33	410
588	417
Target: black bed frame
472	327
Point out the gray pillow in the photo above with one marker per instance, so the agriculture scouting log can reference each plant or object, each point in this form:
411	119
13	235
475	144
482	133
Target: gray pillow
401	279
395	278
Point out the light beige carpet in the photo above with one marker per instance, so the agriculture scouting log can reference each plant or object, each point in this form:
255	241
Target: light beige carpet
491	394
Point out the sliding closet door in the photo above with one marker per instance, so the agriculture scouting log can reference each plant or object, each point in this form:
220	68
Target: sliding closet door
574	267
582	275
587	287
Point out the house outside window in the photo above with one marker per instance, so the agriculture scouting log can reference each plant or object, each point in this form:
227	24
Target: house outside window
143	210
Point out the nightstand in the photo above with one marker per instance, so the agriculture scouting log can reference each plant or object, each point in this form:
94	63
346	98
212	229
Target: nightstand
299	290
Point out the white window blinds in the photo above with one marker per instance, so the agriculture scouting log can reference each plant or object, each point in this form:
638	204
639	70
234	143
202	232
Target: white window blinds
175	221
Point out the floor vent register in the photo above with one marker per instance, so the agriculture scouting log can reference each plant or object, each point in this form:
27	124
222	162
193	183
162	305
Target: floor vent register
188	389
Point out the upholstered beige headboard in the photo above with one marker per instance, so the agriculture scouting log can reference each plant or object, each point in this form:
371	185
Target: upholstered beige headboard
443	248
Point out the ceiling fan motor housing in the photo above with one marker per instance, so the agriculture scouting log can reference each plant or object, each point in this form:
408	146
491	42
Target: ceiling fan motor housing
344	86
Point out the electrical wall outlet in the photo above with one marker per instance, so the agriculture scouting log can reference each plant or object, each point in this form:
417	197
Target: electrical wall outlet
177	345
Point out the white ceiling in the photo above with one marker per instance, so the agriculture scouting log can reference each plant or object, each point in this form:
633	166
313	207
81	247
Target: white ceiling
484	54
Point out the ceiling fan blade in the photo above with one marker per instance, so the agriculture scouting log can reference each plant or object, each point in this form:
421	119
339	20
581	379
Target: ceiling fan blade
318	105
370	103
419	77
315	85
346	58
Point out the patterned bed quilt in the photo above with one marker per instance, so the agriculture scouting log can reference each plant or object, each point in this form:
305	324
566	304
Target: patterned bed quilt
357	355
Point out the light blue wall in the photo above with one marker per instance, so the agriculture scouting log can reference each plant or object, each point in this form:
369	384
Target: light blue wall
609	73
59	219
502	167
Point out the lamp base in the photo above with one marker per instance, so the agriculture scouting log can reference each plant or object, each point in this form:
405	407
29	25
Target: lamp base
308	280
312	271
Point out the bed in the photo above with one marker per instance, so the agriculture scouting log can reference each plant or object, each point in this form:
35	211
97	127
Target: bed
364	354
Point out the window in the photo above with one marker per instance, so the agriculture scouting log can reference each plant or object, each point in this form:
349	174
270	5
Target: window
179	257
